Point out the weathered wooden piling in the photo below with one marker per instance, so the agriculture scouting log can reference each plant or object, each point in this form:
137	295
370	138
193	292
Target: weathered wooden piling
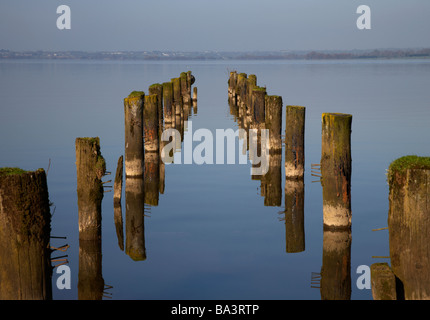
150	124
383	282
157	89
25	226
133	110
152	178
90	167
232	83
177	94
134	218
295	142
185	93
336	169
336	265
241	88
169	111
294	215
273	122
409	224
258	107
251	83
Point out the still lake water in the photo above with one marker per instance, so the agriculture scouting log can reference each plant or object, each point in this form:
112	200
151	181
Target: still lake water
211	237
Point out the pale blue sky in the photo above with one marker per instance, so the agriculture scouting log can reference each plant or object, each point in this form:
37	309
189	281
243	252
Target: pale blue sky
224	25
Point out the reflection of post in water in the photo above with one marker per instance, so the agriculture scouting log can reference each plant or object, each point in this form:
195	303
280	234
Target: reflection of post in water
25	226
271	182
133	110
195	100
134	218
117	208
91	167
409	224
91	282
336	265
294	215
336	169
295	142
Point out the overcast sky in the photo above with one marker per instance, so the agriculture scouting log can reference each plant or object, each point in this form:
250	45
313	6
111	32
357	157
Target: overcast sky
222	25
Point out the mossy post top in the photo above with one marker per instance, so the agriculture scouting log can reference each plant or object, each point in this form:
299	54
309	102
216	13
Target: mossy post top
8	171
402	164
135	95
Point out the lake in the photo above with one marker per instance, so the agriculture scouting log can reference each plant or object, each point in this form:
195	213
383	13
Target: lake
211	235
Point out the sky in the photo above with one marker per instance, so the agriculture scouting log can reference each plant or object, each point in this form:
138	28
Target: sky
213	25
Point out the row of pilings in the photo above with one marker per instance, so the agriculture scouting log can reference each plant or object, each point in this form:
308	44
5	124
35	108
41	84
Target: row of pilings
250	104
408	178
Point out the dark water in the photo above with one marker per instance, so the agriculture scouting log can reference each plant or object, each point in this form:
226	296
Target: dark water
211	237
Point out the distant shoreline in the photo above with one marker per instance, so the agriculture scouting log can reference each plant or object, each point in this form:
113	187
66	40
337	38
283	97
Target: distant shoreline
218	55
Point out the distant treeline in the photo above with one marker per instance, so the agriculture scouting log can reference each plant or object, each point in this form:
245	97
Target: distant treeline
216	55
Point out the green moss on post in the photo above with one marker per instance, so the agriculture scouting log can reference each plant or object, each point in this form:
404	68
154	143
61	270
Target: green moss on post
25	226
336	169
409	224
295	142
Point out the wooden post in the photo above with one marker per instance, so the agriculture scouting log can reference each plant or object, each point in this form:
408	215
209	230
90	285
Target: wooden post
90	167
336	170
169	112
294	215
251	83
186	98
258	107
157	89
273	119
383	282
241	88
295	142
150	124
336	265
232	83
134	218
25	226
133	110
409	224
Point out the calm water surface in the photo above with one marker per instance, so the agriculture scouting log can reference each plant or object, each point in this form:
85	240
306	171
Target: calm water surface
211	237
